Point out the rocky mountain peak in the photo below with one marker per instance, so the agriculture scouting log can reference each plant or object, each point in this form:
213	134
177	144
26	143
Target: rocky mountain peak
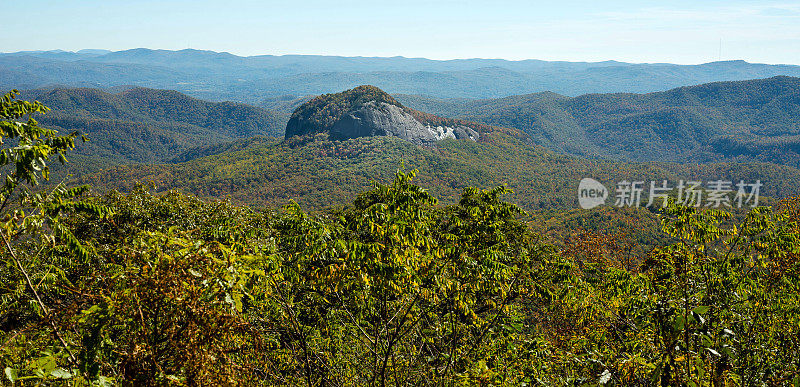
367	111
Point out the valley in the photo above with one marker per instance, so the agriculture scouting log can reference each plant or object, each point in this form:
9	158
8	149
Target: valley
396	221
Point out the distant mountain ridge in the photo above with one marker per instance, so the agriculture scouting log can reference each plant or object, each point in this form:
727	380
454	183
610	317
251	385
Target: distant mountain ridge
224	76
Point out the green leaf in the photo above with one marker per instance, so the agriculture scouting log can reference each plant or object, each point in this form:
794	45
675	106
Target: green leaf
11	374
696	317
605	377
700	309
61	373
707	341
679	323
44	365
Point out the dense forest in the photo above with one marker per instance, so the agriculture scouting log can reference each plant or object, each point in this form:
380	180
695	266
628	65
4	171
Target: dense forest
146	125
392	287
742	122
318	172
754	120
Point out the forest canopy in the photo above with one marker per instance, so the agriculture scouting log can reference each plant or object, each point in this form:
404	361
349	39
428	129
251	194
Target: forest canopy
392	288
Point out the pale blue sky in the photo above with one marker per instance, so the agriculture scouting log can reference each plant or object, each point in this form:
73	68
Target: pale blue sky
675	31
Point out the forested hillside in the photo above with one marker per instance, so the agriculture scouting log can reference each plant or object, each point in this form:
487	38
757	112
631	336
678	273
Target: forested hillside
146	125
319	172
307	200
746	121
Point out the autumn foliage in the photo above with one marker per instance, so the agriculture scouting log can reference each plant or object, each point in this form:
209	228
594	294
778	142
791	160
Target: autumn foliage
391	288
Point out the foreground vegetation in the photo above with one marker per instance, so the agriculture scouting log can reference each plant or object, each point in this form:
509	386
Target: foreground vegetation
146	289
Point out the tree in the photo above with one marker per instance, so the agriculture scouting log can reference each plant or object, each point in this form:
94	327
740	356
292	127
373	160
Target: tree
31	223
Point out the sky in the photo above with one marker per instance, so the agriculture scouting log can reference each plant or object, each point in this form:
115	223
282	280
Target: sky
676	31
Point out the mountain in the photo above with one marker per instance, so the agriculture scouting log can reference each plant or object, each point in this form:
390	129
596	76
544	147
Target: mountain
146	125
93	51
395	284
755	120
219	149
31	72
367	111
224	76
325	159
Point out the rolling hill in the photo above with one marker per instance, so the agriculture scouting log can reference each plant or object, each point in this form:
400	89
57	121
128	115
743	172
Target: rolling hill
755	120
318	168
145	125
325	172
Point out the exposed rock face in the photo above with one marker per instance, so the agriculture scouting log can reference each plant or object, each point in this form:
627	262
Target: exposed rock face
383	119
457	132
347	115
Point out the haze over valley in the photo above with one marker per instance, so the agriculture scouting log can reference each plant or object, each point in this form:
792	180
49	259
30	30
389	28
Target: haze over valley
222	76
